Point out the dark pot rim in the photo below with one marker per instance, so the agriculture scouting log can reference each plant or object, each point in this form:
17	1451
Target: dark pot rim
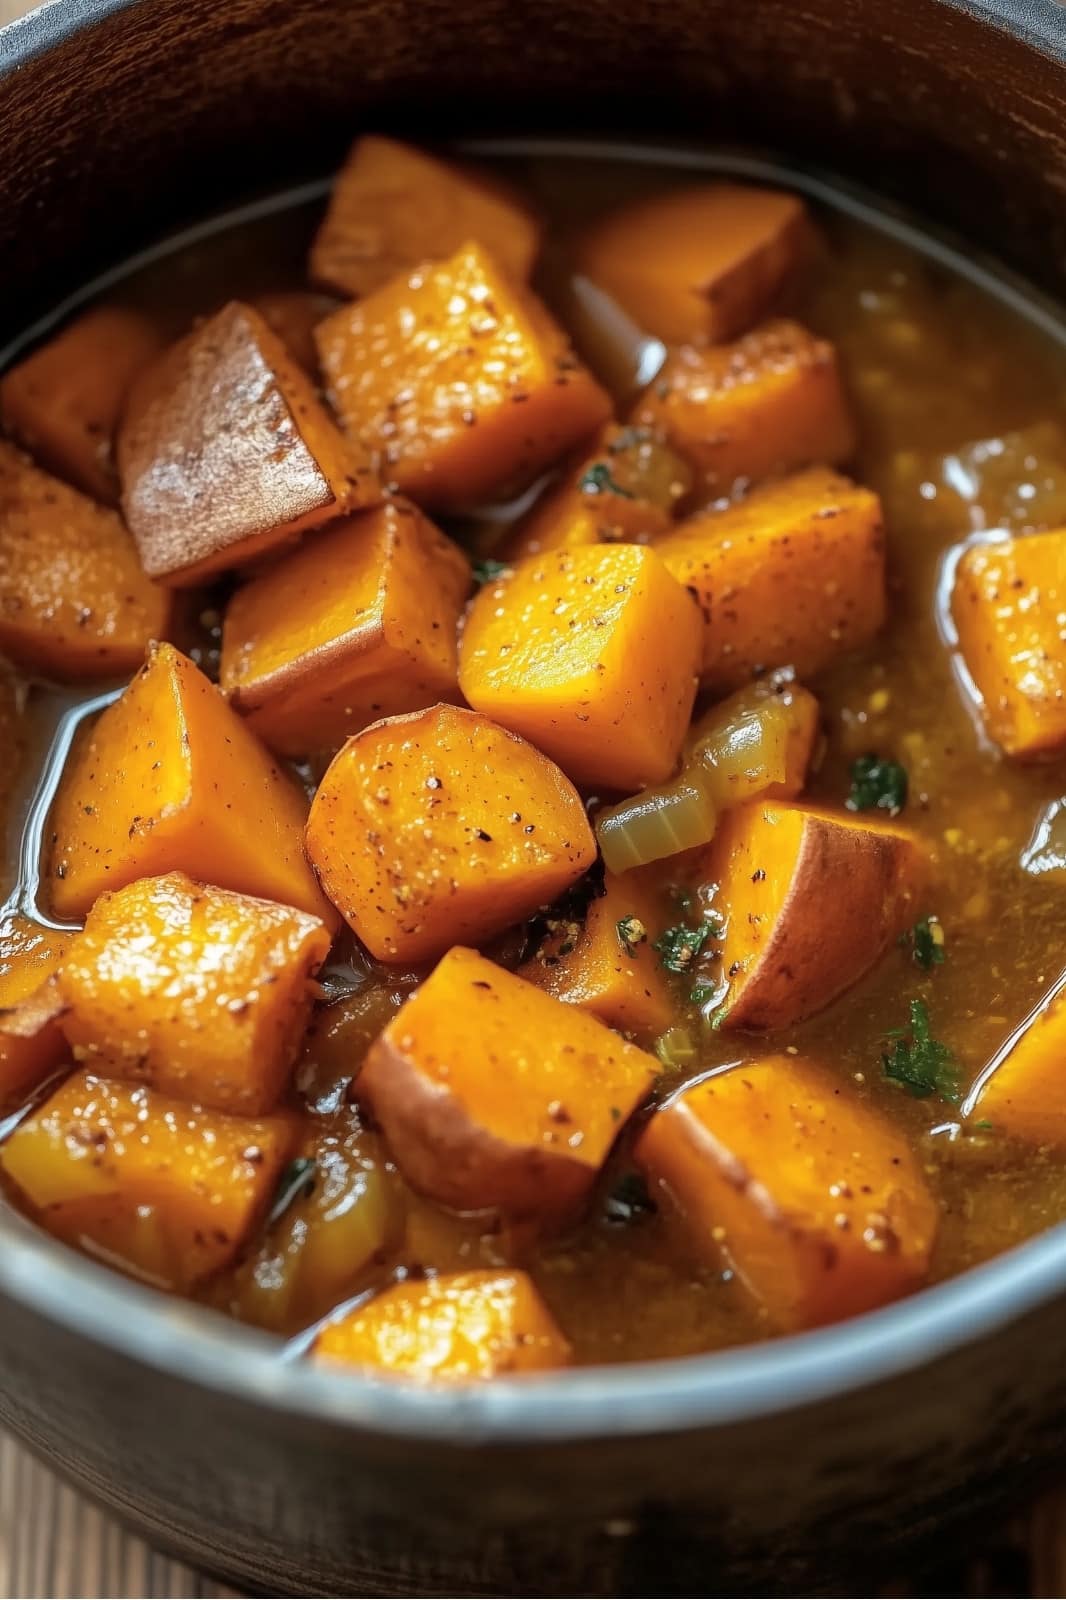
208	1350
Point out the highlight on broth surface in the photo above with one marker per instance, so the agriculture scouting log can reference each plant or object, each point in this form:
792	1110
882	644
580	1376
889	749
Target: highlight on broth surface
572	867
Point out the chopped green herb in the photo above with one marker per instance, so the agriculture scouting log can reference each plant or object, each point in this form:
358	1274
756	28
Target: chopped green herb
700	993
296	1180
877	783
718	1017
631	933
679	946
598	479
926	940
982	1126
630	1200
919	1063
485	570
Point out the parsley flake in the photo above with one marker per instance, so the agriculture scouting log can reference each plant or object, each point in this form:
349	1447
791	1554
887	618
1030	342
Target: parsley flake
919	1063
295	1181
926	940
631	933
485	570
877	783
598	479
679	946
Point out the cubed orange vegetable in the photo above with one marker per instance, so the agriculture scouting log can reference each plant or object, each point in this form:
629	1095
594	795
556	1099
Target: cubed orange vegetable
770	403
703	262
791	576
63	402
31	1041
607	963
523	1121
166	1191
225	450
462	1327
171	780
460	381
625	491
811	900
201	993
440	826
592	654
818	1203
294	314
394	207
359	623
1009	605
1023	1091
74	602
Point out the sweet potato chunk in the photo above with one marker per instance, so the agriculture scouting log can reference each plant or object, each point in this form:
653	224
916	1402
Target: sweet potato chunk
743	412
441	826
201	993
74	602
607	964
460	381
818	1204
164	1190
394	207
1024	1092
31	1041
360	623
791	576
225	450
170	780
294	314
625	491
592	654
1008	604
703	262
462	1327
811	900
63	402
523	1121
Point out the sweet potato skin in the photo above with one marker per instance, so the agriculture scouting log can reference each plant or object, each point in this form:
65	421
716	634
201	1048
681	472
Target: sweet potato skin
702	262
170	780
817	1202
359	623
771	403
812	899
440	826
1007	601
63	402
74	602
522	1124
1022	1093
225	450
99	1154
591	654
394	207
456	1328
791	576
31	1041
459	402
200	993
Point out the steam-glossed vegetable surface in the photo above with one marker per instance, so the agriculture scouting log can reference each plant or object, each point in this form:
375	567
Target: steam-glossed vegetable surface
556	848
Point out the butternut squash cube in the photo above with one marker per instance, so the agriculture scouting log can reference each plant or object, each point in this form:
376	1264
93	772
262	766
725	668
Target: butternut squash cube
440	826
225	451
360	623
608	964
811	900
459	380
625	491
63	401
1023	1091
31	1040
461	1327
294	314
171	780
702	262
592	654
74	602
793	575
818	1203
394	207
770	403
164	1190
1009	606
201	993
523	1122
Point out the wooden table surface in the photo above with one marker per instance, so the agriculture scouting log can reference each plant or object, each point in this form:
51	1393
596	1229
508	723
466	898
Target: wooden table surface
54	1543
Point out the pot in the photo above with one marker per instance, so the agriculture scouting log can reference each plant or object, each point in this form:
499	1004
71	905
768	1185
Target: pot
770	1469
